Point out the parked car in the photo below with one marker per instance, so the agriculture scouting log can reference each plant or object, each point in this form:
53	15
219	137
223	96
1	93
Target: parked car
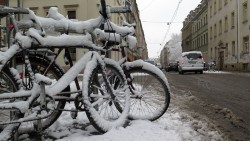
158	65
151	62
172	67
191	61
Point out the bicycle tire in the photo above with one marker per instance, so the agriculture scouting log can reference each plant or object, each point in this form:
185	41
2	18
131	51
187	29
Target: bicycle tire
153	91
39	63
7	84
95	109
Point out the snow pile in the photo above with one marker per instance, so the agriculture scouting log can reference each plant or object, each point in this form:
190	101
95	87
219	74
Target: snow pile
172	126
217	72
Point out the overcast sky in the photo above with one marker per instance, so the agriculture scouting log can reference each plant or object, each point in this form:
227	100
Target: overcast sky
155	14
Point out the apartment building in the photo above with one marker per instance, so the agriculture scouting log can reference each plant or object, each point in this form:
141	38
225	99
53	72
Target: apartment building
195	30
89	9
229	32
164	56
187	32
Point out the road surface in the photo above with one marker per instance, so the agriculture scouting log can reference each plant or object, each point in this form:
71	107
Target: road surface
222	98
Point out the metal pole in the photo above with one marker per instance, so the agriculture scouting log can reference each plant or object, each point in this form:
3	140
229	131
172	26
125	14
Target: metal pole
18	5
238	40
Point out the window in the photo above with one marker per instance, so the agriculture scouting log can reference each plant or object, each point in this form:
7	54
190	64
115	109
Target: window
34	9
246	44
204	21
72	52
233	48
226	50
211	51
215	30
71	10
220	4
211	11
204	39
244	12
225	2
220	27
206	18
71	14
211	32
46	9
232	20
193	55
215	7
226	24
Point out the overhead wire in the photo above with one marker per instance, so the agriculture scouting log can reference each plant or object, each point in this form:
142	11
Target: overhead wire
172	20
147	5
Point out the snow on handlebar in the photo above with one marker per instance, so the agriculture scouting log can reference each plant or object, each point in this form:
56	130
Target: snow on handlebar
57	22
125	41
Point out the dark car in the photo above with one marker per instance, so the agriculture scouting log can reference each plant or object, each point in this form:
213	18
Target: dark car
172	67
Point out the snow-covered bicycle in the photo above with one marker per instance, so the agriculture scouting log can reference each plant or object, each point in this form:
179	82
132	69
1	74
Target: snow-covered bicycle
148	86
100	100
150	92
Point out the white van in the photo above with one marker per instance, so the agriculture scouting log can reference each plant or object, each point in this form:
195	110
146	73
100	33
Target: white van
191	61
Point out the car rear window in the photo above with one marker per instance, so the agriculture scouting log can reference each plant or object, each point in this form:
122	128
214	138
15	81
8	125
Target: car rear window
193	56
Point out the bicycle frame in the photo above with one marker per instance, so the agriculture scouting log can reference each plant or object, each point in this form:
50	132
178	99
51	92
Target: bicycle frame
36	91
60	85
39	81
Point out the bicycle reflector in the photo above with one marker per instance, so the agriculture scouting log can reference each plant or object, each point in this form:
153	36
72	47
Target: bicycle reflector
10	26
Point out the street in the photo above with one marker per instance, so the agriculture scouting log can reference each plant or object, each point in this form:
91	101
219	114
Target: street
222	98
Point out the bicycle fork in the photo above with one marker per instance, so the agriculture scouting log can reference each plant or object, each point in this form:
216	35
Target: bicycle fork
43	106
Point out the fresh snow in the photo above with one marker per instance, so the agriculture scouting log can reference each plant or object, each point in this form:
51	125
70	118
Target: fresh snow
174	125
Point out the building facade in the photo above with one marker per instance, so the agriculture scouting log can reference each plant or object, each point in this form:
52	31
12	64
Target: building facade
200	29
164	57
187	32
229	34
89	9
195	30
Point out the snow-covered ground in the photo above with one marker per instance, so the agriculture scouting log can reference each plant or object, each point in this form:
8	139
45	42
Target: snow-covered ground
174	125
217	72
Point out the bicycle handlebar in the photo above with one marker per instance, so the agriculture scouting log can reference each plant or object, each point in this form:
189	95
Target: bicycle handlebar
5	10
114	9
121	9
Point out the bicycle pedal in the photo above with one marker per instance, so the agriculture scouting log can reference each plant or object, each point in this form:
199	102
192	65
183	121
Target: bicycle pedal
73	113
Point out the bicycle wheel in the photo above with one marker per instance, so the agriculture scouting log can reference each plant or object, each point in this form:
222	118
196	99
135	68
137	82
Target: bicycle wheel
150	96
7	84
39	63
100	103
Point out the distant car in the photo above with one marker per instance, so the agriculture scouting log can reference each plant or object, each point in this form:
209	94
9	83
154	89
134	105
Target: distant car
191	61
158	65
151	62
172	67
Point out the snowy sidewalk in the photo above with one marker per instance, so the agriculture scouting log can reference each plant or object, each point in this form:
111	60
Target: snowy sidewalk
173	126
229	72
